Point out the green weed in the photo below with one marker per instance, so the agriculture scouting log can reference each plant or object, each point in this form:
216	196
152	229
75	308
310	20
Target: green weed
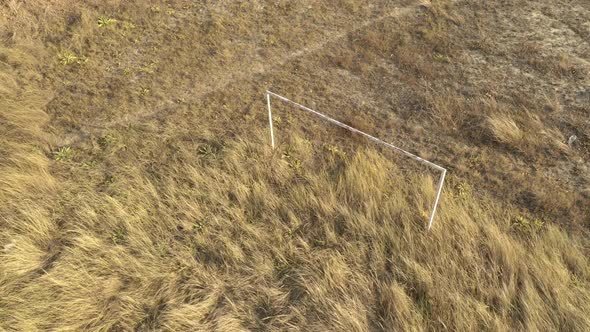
288	153
64	153
296	165
334	150
104	22
198	225
463	190
475	161
89	164
277	120
208	150
162	249
149	68
293	162
527	226
128	25
440	57
67	58
119	236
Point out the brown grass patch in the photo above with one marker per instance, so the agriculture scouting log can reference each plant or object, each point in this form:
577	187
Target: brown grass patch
504	130
528	135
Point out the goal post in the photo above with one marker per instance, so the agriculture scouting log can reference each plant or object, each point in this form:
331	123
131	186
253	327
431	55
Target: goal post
442	170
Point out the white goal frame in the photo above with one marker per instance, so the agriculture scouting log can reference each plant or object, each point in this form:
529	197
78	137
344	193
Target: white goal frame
442	170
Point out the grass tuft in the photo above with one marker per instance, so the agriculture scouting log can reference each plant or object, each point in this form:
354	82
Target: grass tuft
104	22
64	153
505	130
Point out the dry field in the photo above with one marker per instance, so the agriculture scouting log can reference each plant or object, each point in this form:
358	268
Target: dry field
138	191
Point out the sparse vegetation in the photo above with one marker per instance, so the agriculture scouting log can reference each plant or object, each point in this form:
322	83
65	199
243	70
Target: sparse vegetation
63	154
104	22
207	150
151	201
527	226
118	236
68	58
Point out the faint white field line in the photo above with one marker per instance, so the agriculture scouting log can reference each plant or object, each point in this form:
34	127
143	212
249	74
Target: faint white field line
370	137
245	75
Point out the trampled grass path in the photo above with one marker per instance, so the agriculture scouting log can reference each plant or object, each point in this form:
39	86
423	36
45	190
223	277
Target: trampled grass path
249	73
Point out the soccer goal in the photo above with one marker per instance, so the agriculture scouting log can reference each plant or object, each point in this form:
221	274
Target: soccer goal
442	170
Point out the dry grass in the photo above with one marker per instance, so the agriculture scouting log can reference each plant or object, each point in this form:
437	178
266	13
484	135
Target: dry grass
205	245
139	193
536	136
505	130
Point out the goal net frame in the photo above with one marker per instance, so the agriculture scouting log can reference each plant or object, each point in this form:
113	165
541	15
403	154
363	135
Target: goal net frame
442	170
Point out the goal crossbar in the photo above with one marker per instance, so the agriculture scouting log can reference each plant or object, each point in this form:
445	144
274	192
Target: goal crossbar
430	164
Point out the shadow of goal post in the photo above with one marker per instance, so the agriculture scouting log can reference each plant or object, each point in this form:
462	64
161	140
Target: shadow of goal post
442	170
